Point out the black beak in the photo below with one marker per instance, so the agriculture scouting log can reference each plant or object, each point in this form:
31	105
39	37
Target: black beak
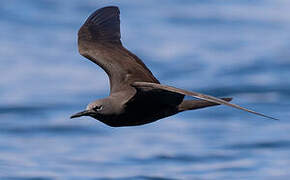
83	113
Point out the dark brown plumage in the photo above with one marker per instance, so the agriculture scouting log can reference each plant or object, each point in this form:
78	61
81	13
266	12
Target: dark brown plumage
136	96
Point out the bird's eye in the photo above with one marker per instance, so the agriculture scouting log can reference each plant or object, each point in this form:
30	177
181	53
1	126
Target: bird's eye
98	108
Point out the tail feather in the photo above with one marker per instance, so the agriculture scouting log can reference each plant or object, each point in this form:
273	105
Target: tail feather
197	104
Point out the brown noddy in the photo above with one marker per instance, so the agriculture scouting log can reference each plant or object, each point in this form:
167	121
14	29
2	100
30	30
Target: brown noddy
136	96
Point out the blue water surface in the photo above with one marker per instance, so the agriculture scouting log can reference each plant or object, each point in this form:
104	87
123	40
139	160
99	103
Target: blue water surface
234	49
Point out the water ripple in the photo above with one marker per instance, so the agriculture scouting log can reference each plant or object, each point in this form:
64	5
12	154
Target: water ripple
137	178
188	158
50	129
26	178
262	145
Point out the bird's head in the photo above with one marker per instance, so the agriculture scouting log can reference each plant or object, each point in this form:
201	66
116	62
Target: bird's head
95	109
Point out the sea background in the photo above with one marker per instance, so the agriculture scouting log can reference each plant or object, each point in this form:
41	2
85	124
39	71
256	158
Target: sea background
223	48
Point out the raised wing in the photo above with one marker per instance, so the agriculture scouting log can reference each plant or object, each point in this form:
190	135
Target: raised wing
99	41
146	85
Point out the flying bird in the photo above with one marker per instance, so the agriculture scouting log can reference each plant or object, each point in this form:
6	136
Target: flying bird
136	96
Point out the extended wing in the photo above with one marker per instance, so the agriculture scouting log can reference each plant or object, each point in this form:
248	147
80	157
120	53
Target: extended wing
99	41
146	85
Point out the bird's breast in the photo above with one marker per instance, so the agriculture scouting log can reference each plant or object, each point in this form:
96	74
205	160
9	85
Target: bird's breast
138	117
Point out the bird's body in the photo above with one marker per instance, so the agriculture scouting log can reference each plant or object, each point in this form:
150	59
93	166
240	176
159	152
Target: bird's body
125	110
136	96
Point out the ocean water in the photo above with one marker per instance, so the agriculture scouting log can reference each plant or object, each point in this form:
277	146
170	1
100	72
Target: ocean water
223	48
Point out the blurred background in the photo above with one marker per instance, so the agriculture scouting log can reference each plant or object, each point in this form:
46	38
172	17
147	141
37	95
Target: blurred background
223	48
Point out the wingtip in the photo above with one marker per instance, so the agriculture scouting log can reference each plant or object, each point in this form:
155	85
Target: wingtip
114	7
103	12
263	115
274	118
106	8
